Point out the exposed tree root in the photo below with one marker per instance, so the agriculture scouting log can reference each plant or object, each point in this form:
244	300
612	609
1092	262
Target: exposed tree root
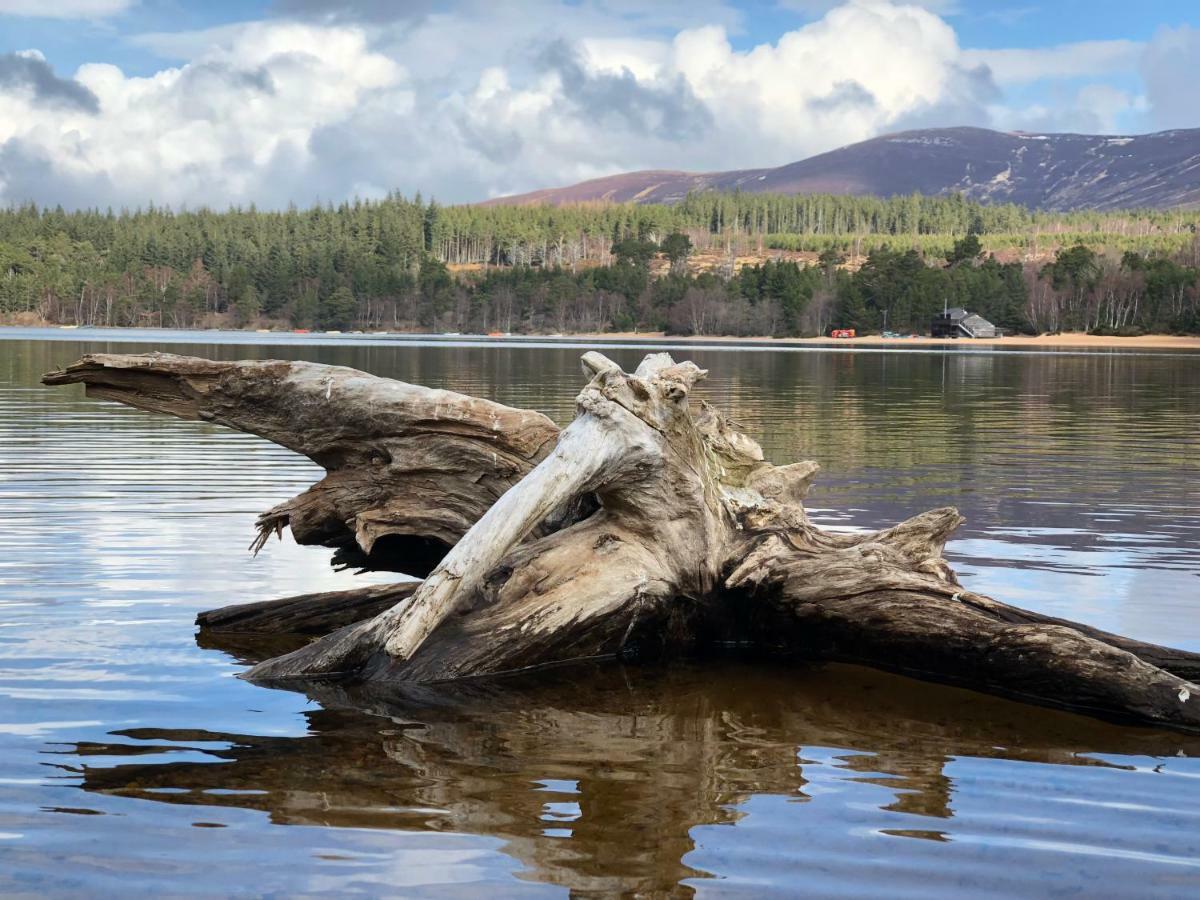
649	524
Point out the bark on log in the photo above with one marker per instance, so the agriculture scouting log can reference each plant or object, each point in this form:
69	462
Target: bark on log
651	524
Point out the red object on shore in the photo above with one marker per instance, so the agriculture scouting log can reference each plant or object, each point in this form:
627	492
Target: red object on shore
842	333
300	331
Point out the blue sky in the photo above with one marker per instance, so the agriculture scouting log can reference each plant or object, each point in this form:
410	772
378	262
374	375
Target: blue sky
272	101
1022	23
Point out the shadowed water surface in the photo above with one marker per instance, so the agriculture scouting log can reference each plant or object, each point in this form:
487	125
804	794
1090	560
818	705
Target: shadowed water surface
133	762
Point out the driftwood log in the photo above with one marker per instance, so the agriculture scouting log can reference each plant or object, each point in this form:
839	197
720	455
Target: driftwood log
649	525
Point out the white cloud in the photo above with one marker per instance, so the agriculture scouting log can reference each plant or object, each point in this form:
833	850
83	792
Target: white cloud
1169	68
862	69
210	131
698	103
1079	60
465	103
643	57
1107	105
1091	109
64	9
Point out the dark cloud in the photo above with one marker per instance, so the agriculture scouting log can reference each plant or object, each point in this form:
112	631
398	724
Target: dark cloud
498	145
665	109
27	175
844	94
207	90
213	75
377	11
969	91
17	71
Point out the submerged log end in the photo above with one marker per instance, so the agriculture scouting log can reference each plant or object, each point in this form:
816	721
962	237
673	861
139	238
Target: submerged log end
344	653
309	614
955	640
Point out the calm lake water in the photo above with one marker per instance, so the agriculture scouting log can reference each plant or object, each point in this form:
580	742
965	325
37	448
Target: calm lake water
133	762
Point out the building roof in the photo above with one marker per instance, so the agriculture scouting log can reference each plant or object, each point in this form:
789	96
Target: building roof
976	322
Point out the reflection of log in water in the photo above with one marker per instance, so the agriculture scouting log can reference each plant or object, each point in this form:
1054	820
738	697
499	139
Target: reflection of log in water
595	781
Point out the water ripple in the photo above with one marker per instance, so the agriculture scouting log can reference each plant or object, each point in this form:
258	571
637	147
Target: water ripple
1079	476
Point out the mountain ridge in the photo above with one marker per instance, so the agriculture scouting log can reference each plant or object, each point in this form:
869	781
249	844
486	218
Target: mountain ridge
1051	171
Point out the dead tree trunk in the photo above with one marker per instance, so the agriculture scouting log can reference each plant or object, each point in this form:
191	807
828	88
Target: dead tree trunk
650	524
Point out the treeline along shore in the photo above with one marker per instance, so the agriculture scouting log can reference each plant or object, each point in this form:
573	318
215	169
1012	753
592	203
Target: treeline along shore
713	264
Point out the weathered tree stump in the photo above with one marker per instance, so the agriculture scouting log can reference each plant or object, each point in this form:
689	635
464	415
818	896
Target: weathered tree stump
650	524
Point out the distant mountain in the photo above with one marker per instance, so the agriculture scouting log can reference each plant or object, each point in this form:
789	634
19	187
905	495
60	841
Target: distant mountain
1042	171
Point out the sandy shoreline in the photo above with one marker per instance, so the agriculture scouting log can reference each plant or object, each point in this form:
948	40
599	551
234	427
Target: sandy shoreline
1071	341
1044	341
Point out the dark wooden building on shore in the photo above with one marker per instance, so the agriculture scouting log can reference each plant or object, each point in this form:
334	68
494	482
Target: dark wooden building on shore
957	322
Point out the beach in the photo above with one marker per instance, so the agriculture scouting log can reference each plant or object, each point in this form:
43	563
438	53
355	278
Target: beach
1074	341
1047	342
